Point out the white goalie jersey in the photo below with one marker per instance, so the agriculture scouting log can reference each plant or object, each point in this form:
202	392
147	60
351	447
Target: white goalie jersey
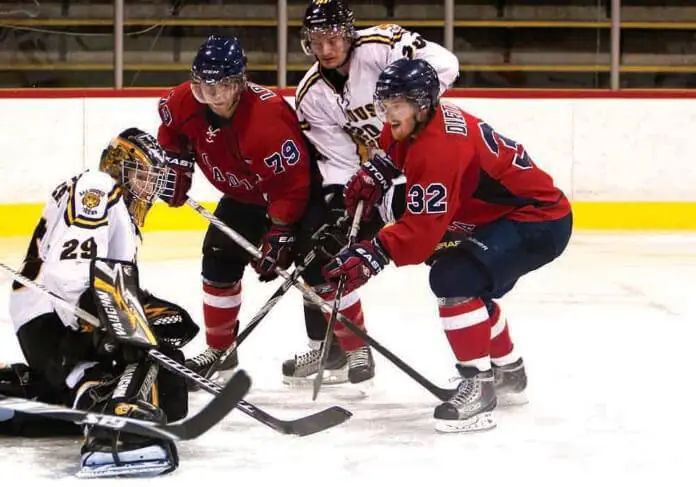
341	122
84	218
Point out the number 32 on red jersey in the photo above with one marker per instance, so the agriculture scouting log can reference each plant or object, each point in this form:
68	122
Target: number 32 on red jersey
431	199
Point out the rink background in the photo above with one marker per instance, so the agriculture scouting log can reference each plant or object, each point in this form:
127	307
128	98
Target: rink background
606	331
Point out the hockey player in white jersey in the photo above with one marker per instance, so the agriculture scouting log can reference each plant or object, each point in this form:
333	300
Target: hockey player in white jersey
334	102
97	216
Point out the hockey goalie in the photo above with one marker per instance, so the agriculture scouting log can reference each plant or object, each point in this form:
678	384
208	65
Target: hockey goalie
84	251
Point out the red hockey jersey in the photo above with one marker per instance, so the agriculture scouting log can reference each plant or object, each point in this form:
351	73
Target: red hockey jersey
461	173
258	157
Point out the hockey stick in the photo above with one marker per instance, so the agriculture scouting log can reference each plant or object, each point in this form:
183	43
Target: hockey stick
439	392
352	234
313	423
273	300
186	429
304	426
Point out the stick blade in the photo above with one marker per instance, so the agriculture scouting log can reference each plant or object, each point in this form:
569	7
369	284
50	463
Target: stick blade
215	411
323	420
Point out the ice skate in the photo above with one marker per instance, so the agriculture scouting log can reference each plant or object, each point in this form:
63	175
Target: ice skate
300	370
361	365
511	384
472	405
202	363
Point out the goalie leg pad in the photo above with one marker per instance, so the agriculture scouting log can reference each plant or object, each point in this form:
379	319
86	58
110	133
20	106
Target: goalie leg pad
112	453
172	388
17	380
147	461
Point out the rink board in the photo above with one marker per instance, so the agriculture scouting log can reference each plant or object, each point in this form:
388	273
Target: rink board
624	159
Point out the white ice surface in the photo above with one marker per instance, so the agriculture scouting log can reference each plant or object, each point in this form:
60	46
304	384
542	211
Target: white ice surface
607	333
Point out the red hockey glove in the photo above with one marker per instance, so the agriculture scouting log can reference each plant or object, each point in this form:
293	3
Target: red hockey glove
276	250
180	178
358	263
369	184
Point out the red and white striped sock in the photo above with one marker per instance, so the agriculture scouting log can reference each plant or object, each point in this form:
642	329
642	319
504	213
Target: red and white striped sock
502	349
220	311
351	308
468	330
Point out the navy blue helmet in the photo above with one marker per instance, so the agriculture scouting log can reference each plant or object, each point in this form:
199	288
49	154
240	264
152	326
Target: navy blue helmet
217	59
412	79
327	15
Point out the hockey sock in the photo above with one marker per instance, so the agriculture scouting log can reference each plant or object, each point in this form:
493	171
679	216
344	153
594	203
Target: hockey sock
502	349
466	324
351	308
220	311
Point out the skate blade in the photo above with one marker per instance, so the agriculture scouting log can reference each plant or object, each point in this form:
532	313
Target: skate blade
480	422
353	392
219	377
331	377
511	399
141	469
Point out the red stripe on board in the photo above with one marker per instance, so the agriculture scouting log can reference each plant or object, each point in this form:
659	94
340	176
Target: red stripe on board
454	93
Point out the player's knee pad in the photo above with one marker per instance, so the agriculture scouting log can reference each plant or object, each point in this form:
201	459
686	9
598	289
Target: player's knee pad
171	323
218	266
458	275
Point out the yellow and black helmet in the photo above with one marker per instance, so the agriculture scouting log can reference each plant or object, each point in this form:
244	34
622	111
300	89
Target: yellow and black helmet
138	164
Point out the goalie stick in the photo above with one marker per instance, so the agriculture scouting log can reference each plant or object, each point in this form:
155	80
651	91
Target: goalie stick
185	429
303	426
441	393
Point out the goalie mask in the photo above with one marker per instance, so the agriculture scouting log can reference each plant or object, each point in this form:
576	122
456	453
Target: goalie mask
138	164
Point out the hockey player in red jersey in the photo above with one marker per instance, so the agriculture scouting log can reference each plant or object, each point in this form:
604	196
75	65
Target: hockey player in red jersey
335	107
478	210
248	143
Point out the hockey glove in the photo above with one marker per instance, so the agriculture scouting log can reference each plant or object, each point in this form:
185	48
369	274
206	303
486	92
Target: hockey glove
358	263
373	179
180	179
276	251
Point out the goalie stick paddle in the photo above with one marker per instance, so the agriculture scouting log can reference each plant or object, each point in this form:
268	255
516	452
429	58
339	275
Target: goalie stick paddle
302	426
326	344
185	429
441	393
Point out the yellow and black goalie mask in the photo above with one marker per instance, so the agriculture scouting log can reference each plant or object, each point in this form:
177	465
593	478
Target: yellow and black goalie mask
138	164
